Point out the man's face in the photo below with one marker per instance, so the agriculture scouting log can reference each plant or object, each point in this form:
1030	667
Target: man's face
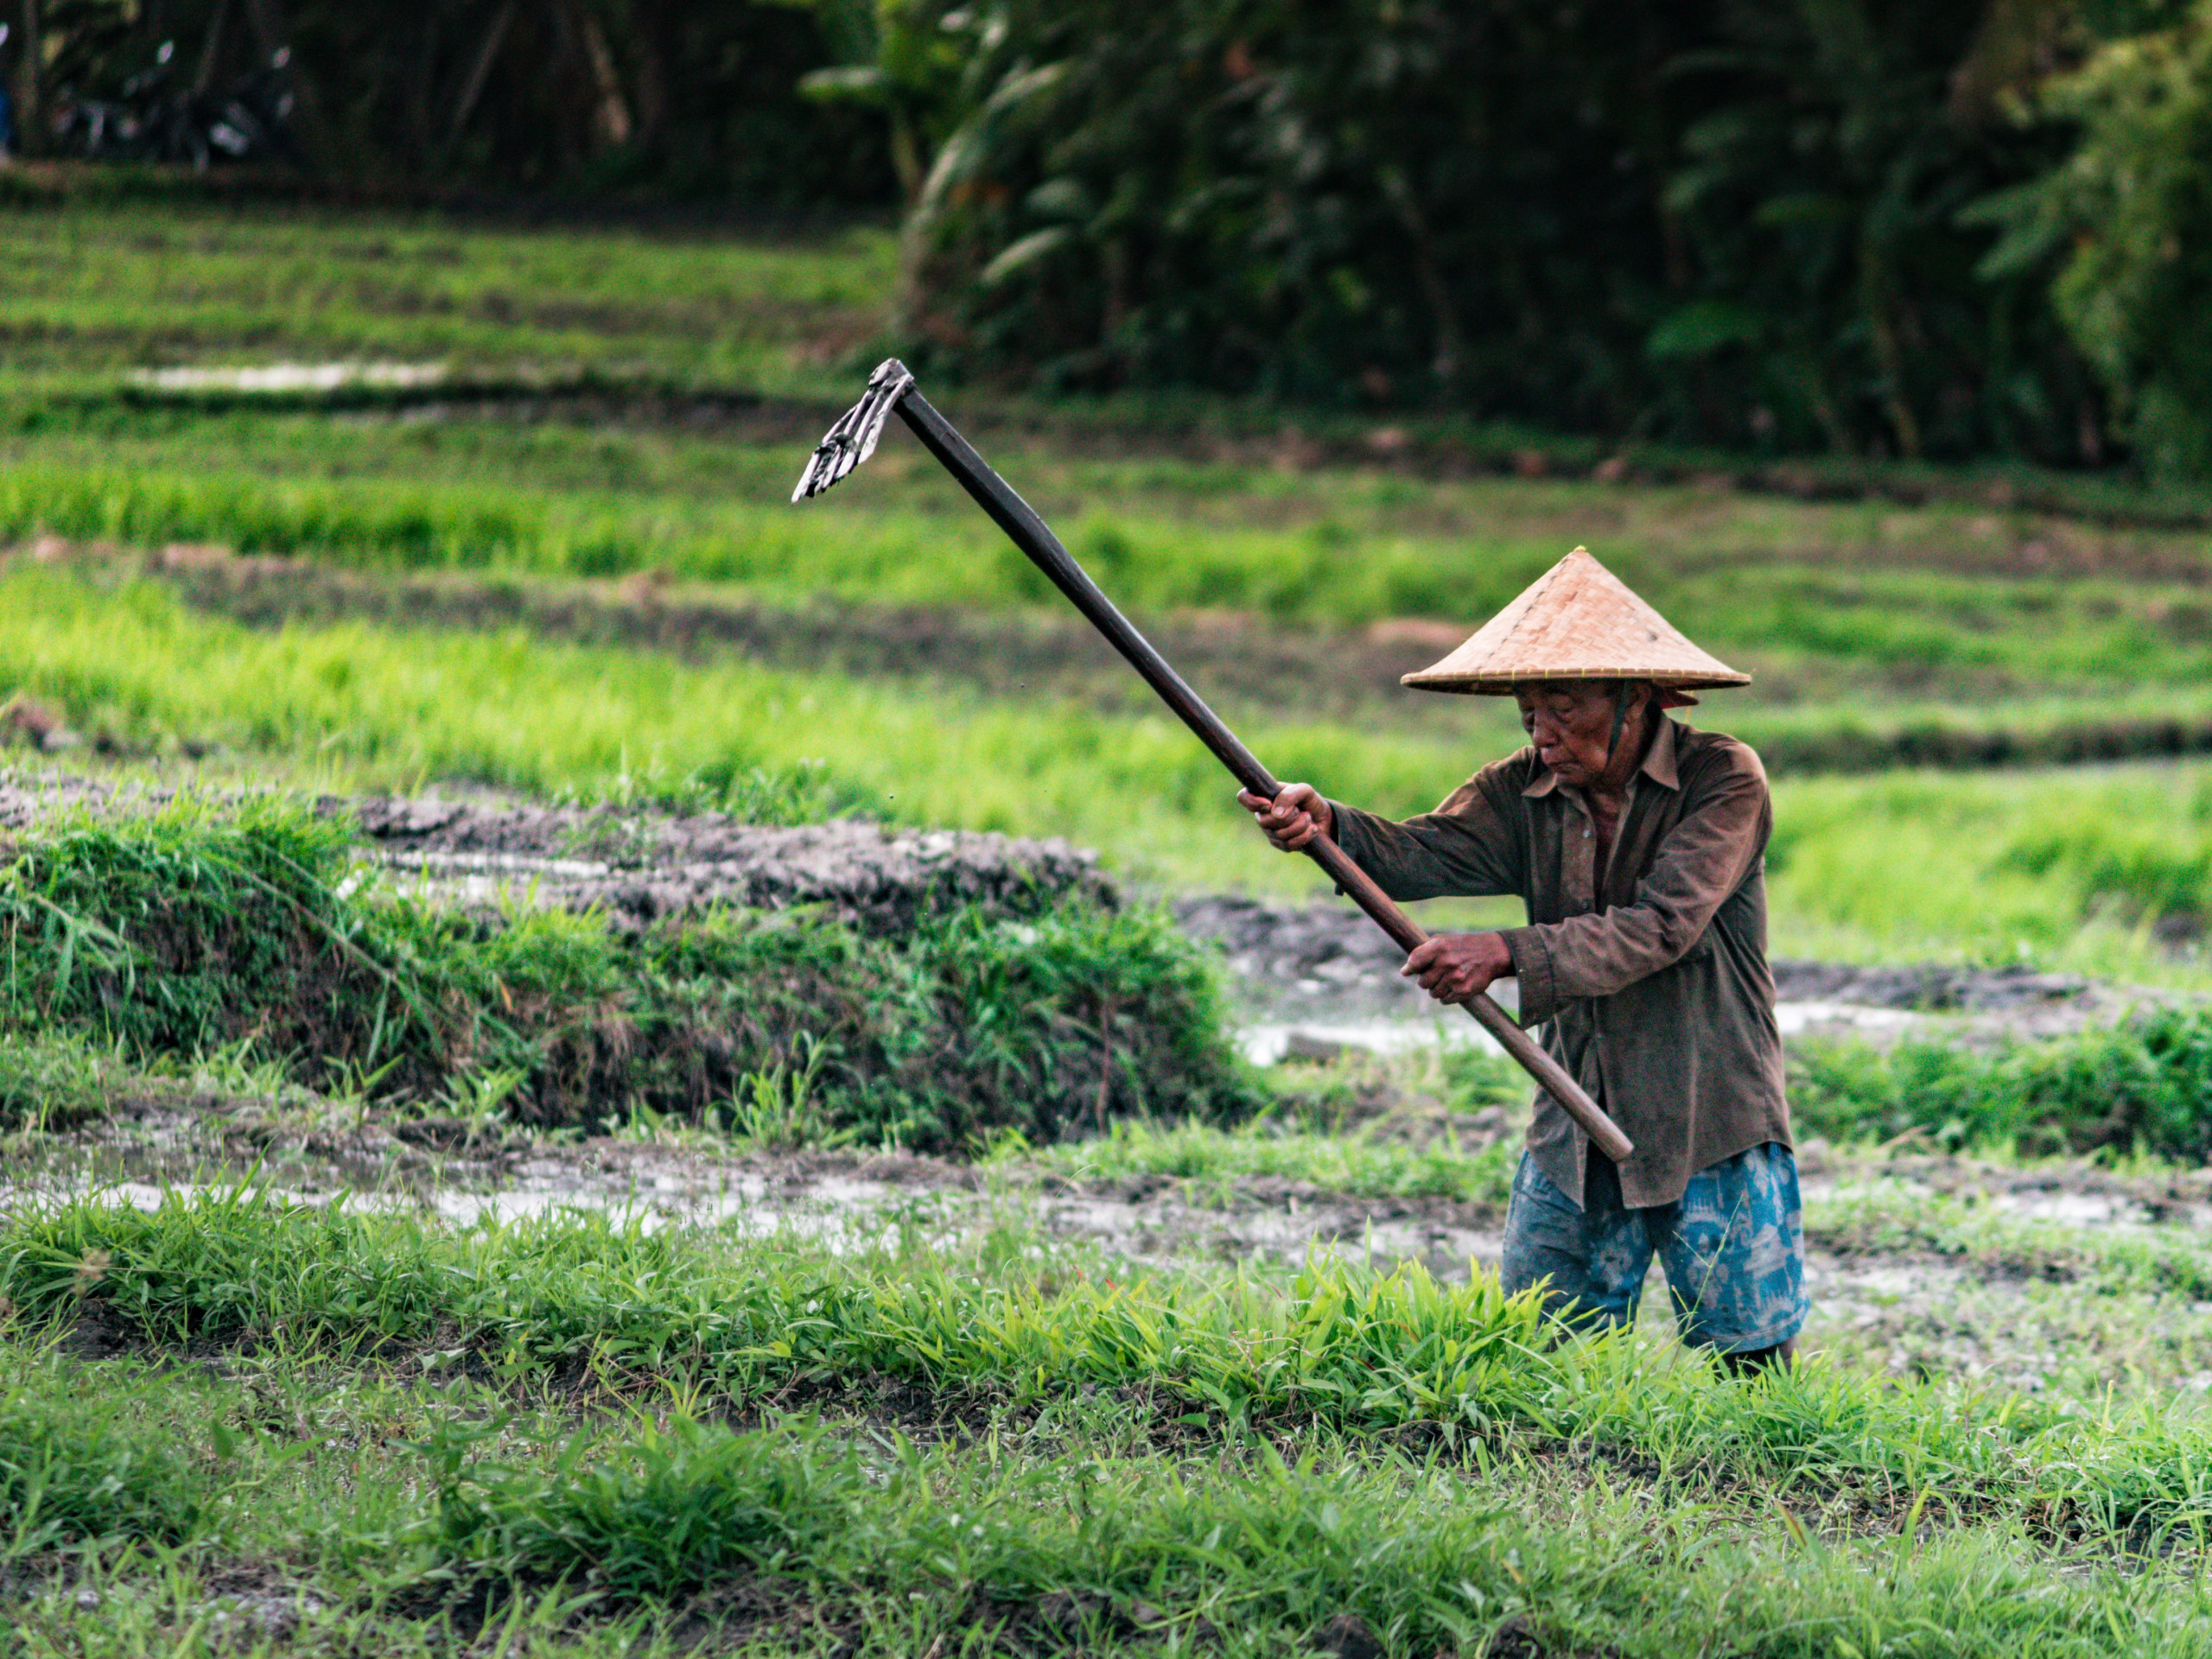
1570	723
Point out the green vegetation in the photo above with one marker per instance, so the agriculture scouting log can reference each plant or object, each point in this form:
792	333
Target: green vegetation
237	1417
2127	209
2071	869
98	288
94	1466
1219	1165
2143	1086
1270	1457
51	1080
1771	230
1307	1140
180	933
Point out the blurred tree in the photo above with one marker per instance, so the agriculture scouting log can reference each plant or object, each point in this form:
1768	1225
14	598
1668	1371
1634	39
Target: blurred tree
1719	221
2130	214
1835	294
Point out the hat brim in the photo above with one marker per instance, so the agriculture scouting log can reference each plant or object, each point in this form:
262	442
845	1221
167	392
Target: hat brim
1498	685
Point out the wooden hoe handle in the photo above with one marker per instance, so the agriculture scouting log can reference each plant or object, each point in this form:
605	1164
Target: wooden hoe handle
1030	534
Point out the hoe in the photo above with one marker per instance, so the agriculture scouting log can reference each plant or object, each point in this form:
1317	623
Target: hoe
853	439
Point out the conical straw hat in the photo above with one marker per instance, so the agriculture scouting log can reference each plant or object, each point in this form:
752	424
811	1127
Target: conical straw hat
1577	621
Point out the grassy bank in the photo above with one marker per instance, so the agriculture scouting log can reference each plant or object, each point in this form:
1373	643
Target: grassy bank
2144	1085
183	933
1333	1346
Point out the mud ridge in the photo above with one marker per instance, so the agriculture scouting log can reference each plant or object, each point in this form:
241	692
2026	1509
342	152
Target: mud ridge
638	865
638	868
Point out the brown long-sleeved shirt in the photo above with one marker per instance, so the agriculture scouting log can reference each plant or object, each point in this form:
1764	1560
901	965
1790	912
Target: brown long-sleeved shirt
1651	976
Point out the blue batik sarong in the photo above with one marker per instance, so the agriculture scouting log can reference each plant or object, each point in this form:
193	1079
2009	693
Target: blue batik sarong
1732	1247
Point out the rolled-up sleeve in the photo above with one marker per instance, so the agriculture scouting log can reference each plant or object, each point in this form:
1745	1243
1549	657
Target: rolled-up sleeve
1466	848
1701	861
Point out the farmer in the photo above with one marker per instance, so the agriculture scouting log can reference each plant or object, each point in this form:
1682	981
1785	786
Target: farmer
1637	845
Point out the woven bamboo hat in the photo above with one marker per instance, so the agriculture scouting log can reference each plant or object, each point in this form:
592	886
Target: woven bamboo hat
1577	621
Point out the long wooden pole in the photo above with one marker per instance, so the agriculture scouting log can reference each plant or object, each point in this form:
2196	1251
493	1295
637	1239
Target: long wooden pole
1032	535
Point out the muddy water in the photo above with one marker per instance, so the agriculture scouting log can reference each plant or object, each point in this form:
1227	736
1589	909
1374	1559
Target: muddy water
1270	1042
844	1201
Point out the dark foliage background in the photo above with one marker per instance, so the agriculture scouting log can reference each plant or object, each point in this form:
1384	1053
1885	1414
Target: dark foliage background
1825	224
1726	223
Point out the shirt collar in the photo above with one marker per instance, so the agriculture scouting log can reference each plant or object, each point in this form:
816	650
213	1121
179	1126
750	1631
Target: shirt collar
1658	764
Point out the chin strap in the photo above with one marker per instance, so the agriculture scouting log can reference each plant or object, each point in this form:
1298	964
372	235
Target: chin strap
1620	716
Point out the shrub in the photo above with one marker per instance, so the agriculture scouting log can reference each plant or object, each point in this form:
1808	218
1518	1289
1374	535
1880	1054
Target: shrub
2145	1084
184	932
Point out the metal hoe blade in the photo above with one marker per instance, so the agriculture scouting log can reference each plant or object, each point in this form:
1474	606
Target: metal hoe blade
853	439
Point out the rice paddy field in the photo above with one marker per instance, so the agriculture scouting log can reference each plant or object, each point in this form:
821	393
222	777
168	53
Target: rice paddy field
381	1273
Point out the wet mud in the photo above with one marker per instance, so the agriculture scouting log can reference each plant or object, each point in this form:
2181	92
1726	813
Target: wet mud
637	866
641	867
152	1147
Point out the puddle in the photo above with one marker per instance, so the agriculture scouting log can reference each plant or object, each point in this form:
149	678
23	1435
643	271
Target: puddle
291	377
844	1203
1269	1043
1272	1044
1795	1018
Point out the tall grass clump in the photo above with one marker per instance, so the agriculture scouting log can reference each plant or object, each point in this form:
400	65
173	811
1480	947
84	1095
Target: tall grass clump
186	930
673	1510
81	1465
2144	1084
1338	1343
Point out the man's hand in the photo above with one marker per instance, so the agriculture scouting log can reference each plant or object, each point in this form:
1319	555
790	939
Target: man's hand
1294	817
1459	967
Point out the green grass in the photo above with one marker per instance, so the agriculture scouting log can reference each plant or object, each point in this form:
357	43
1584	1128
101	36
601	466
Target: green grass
2141	1086
1822	599
1866	614
1216	1166
1260	1454
1884	1218
569	1434
453	1524
1919	864
1301	1143
1334	1346
181	932
72	1470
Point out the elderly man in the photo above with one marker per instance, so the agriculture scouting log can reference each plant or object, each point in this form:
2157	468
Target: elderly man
1637	844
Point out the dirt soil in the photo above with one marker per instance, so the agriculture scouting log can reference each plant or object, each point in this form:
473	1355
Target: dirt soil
640	867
